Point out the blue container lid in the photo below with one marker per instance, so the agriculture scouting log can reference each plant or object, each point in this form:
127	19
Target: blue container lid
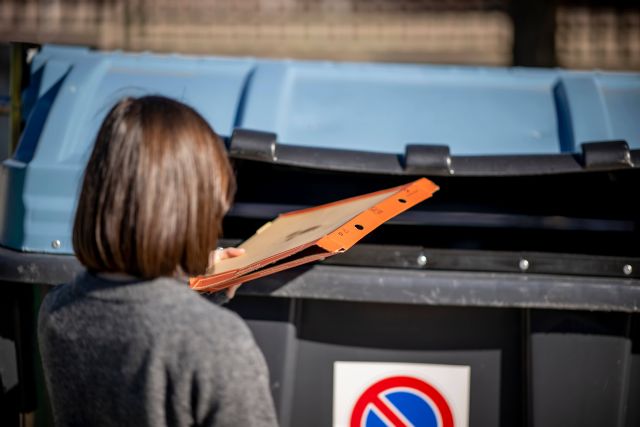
357	106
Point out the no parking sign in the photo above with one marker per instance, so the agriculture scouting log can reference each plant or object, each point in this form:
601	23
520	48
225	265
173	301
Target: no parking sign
370	394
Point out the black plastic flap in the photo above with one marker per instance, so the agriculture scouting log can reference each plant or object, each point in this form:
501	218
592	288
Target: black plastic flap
253	145
608	155
428	160
431	160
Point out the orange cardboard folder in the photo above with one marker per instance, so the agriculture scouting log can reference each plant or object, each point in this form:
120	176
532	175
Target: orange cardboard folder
307	235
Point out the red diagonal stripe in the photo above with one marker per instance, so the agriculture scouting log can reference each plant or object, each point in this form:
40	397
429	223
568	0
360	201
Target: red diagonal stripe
387	412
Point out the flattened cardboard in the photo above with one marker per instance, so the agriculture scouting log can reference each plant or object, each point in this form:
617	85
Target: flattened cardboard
307	235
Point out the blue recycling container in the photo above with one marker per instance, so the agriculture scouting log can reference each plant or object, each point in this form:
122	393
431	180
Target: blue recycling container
513	294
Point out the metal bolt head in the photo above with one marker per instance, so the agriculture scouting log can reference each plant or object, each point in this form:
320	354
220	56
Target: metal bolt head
56	244
627	269
523	264
422	260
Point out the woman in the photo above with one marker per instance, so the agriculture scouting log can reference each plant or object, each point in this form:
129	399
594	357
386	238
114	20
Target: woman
128	343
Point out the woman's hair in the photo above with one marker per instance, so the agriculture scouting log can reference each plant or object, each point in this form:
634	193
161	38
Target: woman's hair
154	192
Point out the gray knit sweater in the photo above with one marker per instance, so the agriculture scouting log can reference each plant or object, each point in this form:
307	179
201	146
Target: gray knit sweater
149	353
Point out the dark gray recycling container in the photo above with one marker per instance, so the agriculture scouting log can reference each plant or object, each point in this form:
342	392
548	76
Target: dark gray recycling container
520	277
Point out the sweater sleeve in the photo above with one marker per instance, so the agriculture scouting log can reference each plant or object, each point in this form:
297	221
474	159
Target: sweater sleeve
233	388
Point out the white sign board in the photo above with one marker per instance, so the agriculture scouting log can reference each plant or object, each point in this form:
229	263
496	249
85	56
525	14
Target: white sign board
373	394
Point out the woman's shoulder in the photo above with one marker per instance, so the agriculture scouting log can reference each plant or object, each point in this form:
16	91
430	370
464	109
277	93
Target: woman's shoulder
56	296
174	298
205	329
55	307
167	303
204	308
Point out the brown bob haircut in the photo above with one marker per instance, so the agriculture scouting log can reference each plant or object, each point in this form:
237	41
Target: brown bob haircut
154	191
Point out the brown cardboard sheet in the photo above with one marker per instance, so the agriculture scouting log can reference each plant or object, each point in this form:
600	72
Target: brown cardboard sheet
298	237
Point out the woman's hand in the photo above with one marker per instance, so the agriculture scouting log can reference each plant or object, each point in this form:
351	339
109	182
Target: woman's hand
225	253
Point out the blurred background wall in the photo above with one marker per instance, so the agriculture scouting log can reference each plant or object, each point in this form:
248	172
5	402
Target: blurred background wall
572	33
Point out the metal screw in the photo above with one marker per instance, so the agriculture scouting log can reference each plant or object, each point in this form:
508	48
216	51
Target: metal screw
422	260
627	269
56	244
523	264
